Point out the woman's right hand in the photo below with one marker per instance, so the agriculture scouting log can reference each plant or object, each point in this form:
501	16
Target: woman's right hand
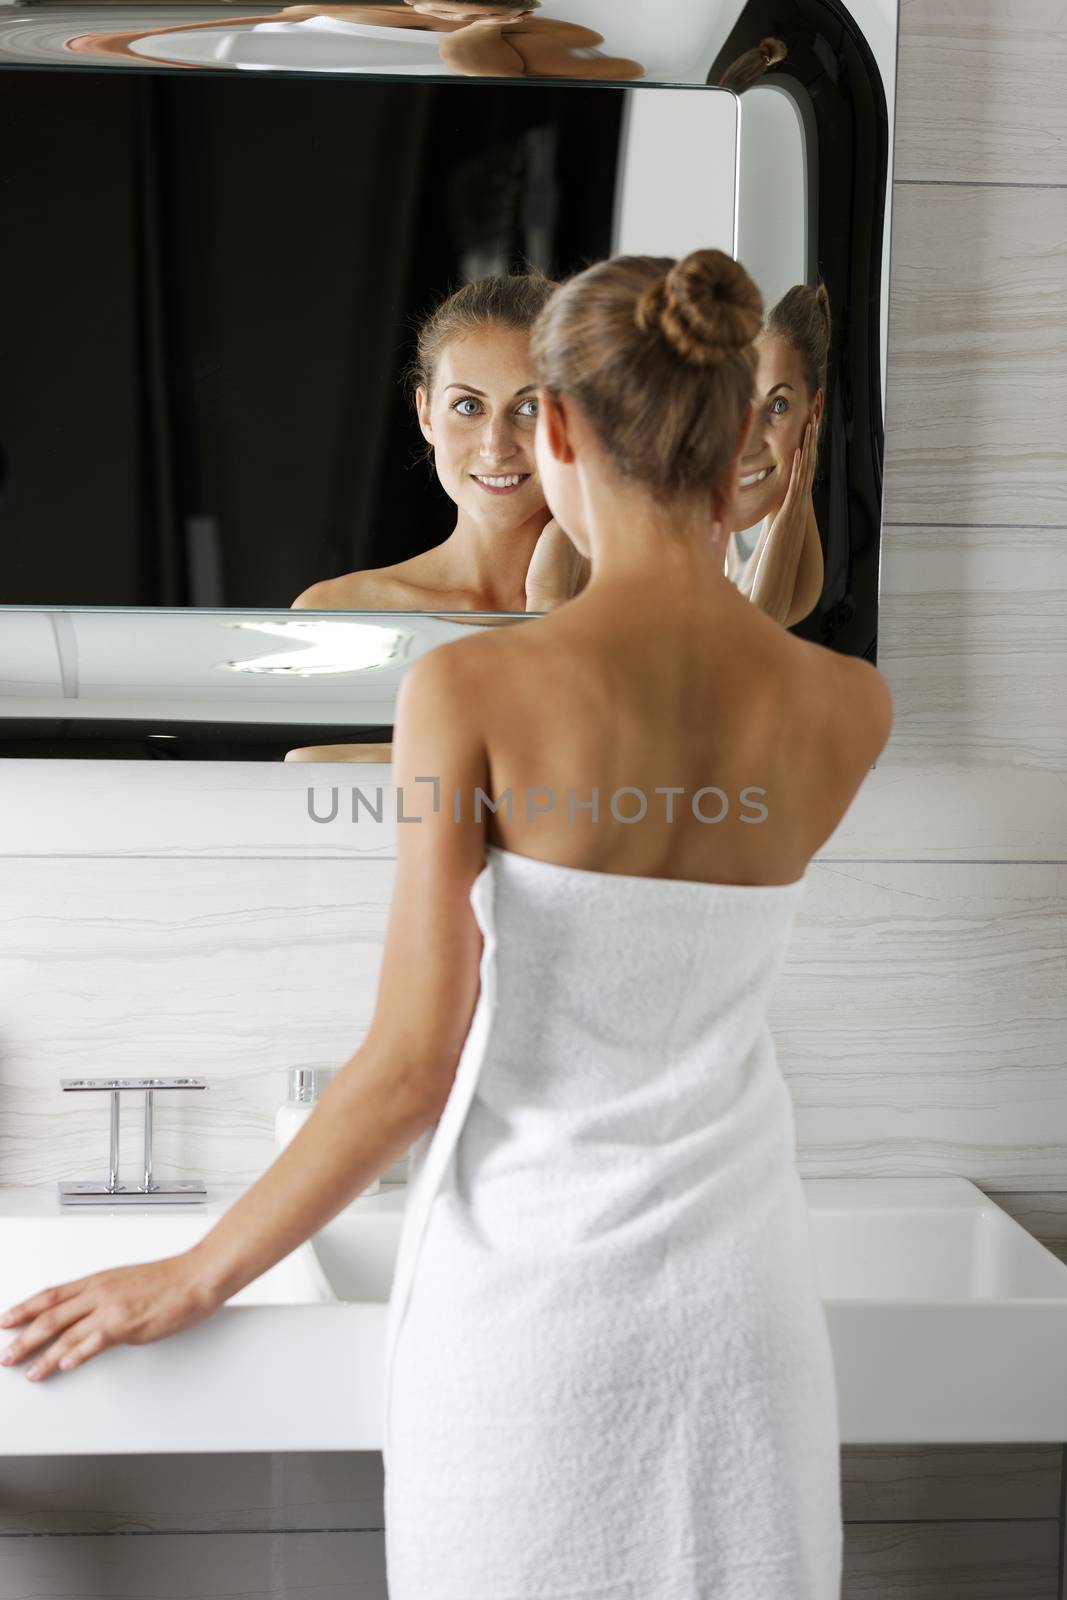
557	570
125	1305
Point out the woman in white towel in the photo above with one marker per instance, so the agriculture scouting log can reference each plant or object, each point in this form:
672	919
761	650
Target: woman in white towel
477	38
608	1368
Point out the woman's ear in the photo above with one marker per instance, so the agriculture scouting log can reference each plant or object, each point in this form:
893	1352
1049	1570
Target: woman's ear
557	433
817	408
422	406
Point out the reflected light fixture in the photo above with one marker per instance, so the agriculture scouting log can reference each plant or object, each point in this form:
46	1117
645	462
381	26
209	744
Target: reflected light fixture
321	645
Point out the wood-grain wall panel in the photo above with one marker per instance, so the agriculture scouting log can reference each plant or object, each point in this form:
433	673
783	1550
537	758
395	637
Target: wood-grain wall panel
980	91
977	380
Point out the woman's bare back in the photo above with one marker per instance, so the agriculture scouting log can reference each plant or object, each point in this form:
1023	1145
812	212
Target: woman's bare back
620	695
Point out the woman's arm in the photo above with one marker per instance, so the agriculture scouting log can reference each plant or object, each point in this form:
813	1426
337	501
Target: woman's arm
397	1082
769	578
811	573
536	47
394	1086
547	45
481	50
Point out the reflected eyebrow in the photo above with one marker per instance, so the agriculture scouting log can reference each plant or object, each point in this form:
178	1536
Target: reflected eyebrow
470	389
780	386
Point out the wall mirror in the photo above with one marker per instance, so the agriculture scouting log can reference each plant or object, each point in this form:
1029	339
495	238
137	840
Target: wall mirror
224	537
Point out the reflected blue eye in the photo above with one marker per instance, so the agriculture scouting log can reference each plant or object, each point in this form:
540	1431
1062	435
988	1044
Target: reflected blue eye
532	401
779	400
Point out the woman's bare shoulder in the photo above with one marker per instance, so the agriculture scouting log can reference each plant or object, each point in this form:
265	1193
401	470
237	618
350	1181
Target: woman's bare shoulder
856	705
373	590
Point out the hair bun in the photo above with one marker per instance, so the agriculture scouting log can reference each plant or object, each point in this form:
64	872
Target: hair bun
705	306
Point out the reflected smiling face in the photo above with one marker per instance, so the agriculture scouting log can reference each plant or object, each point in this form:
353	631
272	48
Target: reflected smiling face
782	408
481	417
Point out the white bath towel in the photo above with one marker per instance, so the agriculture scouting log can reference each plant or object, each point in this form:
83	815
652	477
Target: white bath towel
608	1369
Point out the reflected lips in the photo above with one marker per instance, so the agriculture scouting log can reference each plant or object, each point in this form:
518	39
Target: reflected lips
501	482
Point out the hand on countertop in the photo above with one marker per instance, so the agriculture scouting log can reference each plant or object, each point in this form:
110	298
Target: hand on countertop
125	1305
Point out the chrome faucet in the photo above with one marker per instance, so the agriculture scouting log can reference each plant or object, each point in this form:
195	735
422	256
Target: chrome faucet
171	1191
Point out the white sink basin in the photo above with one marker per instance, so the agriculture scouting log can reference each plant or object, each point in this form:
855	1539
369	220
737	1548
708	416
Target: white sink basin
948	1323
948	1320
281	1366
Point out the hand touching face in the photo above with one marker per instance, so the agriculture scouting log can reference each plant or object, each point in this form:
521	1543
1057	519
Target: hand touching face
783	407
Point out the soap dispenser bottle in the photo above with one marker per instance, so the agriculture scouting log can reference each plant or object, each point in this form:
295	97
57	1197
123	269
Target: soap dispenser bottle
303	1097
304	1082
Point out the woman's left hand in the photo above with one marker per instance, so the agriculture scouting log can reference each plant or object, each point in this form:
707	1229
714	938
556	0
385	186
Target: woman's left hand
557	570
797	503
125	1305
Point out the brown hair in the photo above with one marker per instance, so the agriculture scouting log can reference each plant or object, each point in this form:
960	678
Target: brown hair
659	356
749	68
513	299
802	316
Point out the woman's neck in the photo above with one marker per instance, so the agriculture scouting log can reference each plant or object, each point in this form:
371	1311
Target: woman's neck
490	562
635	538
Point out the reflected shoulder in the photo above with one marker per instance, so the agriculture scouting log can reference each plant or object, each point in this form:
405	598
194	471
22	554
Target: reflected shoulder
353	591
312	598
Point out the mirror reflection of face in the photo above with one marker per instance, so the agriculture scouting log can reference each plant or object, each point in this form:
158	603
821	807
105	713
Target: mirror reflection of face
481	418
782	409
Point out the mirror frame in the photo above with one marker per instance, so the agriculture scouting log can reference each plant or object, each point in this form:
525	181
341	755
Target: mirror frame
832	76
